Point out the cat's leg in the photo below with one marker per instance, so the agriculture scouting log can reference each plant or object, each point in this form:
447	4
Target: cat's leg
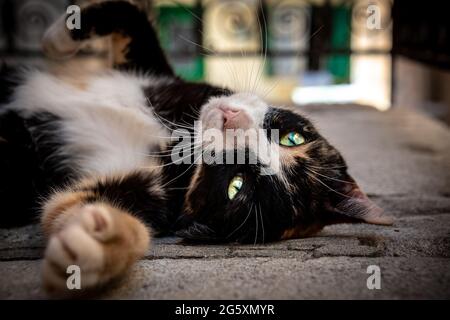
135	43
94	226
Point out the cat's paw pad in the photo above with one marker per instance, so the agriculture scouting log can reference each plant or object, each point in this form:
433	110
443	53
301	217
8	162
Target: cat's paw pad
98	221
72	247
80	244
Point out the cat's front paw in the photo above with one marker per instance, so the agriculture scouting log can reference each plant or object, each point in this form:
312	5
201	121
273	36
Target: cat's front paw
58	43
83	243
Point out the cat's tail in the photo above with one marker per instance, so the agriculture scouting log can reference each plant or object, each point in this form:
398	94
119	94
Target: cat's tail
135	43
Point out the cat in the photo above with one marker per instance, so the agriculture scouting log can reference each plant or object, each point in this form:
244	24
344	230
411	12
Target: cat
98	149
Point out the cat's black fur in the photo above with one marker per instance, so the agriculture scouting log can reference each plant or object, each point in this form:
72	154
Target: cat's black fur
265	210
131	23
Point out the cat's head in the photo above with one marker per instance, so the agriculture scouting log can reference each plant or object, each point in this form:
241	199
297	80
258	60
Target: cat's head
270	176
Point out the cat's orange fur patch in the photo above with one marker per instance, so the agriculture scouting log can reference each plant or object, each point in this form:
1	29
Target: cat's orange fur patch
56	210
120	49
301	232
192	186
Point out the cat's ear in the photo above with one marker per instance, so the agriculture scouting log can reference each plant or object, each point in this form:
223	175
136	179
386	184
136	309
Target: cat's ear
196	232
347	203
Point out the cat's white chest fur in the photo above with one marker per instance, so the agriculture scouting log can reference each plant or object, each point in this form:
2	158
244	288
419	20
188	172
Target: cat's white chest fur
106	124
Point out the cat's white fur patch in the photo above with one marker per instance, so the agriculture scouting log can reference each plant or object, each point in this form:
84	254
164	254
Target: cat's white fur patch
108	126
254	139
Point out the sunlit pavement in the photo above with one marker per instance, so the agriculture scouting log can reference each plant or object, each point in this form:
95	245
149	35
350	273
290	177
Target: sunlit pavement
401	159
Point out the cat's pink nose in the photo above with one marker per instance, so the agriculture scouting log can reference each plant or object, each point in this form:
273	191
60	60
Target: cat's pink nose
235	119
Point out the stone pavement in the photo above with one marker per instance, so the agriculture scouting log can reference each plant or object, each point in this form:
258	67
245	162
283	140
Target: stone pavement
401	159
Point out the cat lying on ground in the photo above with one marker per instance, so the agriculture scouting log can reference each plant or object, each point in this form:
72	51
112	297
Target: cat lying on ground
98	149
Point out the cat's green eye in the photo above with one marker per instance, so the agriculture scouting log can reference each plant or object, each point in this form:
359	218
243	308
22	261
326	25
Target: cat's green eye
292	139
235	186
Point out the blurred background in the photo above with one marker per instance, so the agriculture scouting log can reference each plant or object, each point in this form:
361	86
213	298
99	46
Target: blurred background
381	53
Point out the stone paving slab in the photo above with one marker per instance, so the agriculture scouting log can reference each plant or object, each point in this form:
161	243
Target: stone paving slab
425	236
259	278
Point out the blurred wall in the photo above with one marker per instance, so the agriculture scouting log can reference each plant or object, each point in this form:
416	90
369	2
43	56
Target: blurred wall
422	88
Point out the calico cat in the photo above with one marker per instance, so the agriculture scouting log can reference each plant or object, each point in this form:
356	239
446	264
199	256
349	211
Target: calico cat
98	148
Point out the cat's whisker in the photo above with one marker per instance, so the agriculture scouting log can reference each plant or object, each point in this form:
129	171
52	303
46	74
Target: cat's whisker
186	9
316	32
324	168
173	162
160	118
168	151
184	172
257	227
264	44
152	154
262	222
185	122
327	186
271	88
197	45
157	118
328	177
251	83
176	125
253	89
195	111
165	154
180	188
229	65
244	85
191	116
240	226
187	146
267	92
